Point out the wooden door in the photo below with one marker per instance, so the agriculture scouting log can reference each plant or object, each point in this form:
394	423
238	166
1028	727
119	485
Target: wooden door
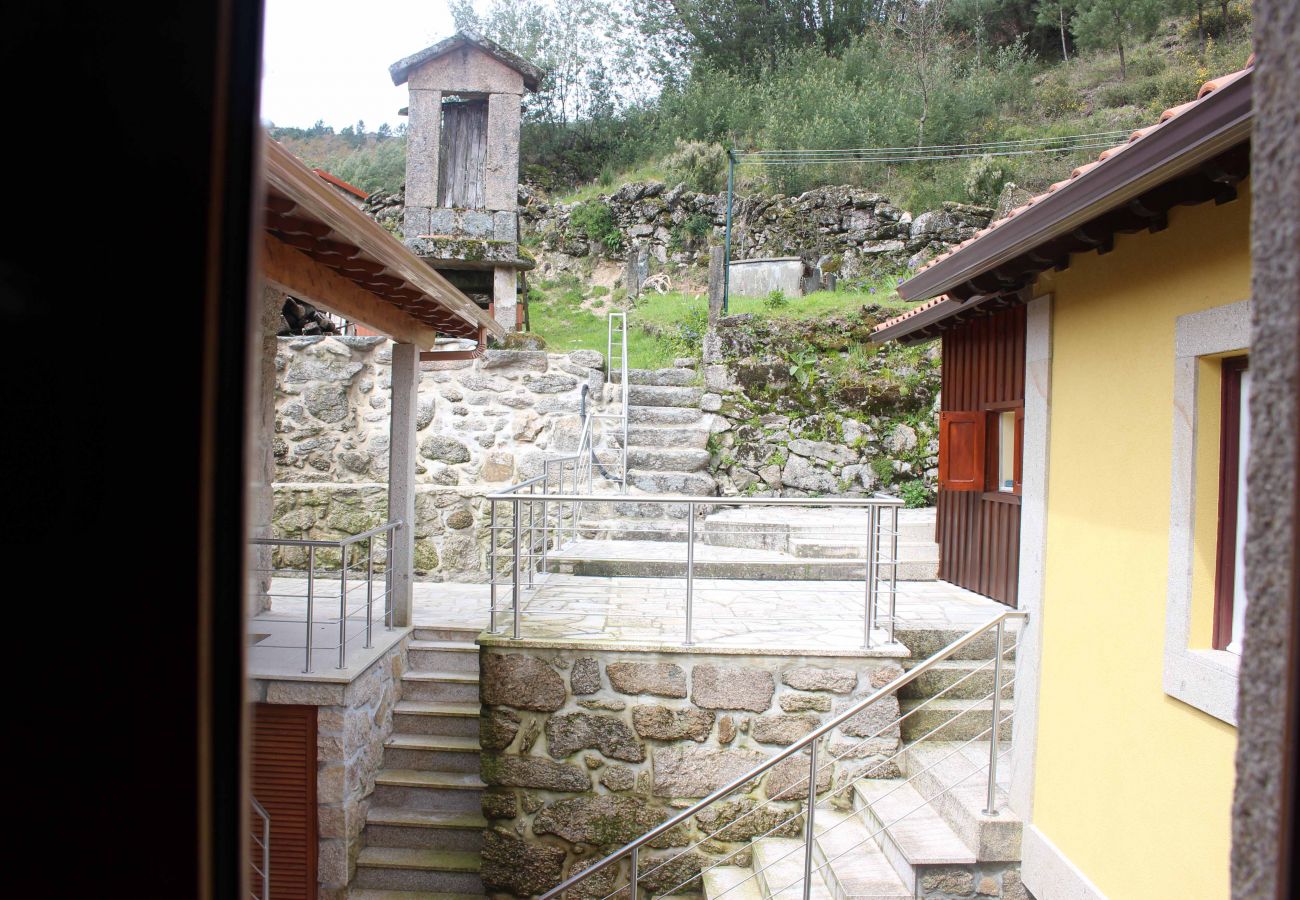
284	781
462	154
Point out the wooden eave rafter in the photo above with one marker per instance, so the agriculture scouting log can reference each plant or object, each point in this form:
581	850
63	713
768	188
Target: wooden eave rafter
322	249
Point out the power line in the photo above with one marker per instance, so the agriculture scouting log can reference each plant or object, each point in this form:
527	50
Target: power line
803	161
1019	147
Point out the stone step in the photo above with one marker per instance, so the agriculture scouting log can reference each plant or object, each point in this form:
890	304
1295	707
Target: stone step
959	679
689	484
657	377
443	656
926	642
436	717
778	867
455	633
417	789
405	869
662	415
364	894
951	720
655	459
431	752
649	395
850	861
660	436
855	548
441	687
422	829
731	882
653	559
631	508
955	778
909	831
634	529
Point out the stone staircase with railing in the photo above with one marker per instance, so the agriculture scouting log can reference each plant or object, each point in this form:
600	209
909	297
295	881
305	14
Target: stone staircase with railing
424	826
922	833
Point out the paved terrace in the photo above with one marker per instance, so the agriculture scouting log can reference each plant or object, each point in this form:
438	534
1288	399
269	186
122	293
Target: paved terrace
736	615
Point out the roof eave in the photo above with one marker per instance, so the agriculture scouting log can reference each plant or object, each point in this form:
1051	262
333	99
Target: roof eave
400	71
1218	122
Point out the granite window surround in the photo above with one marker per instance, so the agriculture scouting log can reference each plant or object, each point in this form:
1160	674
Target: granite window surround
1200	677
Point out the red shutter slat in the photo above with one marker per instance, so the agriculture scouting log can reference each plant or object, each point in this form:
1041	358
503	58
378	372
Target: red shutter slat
284	781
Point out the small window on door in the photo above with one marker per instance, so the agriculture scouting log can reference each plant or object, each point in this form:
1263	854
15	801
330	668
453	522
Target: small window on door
1234	449
1006	437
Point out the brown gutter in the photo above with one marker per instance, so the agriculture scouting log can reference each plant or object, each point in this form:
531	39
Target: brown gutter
456	355
1216	123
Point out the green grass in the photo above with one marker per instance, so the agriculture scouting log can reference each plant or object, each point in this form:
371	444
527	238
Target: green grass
647	171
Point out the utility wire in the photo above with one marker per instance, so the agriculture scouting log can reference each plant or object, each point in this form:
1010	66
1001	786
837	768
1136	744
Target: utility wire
909	149
921	158
1022	147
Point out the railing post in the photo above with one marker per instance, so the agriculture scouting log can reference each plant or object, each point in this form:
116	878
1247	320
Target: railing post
514	592
632	883
690	573
869	612
992	808
388	577
311	597
532	531
370	590
492	567
893	569
546	489
808	830
343	608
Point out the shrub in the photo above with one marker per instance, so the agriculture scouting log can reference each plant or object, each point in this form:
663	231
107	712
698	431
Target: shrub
699	165
1058	98
915	494
883	466
596	221
1135	92
776	300
984	179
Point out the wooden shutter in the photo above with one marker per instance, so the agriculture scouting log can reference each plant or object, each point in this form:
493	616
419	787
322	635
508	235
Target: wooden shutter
284	781
462	154
961	451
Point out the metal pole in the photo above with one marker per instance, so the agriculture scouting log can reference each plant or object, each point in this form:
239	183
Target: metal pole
343	611
636	855
869	613
893	572
726	255
546	489
514	592
388	577
370	591
492	567
808	831
690	571
311	588
992	808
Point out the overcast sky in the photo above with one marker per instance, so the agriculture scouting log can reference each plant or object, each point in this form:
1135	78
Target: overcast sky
328	59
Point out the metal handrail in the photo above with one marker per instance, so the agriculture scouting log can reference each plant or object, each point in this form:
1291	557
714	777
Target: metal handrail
342	545
264	844
808	741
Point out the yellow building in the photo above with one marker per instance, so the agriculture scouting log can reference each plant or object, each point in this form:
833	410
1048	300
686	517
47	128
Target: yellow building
1111	446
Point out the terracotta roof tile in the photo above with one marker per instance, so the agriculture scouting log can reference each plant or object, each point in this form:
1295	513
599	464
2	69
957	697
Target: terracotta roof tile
1208	88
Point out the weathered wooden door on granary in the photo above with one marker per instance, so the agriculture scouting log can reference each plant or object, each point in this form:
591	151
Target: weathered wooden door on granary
462	154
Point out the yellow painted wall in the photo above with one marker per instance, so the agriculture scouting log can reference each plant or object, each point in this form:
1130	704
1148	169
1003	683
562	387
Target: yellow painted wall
1134	787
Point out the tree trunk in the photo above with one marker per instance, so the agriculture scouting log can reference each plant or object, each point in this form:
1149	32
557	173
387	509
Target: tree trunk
1123	69
1064	52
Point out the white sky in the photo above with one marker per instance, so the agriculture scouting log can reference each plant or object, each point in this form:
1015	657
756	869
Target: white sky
329	59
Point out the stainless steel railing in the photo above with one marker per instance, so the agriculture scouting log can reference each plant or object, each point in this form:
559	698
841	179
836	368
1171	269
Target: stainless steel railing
259	884
619	330
529	521
789	818
356	561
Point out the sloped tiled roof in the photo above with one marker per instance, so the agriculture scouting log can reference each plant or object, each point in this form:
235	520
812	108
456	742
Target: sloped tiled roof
533	75
1087	170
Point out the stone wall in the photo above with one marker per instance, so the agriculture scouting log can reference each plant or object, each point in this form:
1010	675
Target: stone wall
584	750
483	424
851	232
352	722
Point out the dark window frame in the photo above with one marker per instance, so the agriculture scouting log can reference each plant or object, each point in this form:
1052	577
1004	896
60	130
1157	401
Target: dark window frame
992	457
1225	553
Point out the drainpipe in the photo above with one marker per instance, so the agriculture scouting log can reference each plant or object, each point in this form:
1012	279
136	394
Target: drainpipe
726	256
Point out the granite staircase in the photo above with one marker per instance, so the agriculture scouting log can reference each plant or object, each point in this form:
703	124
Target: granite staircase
424	827
922	834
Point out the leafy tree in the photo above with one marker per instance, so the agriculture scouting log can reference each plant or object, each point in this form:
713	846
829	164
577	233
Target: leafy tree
1055	14
1109	23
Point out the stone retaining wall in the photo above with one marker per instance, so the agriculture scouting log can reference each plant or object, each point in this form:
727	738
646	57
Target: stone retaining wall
584	750
483	424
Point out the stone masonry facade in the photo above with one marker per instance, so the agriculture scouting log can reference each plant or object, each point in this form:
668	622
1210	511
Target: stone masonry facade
584	750
482	425
352	722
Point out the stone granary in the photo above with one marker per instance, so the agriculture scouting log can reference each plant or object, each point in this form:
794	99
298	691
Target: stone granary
462	165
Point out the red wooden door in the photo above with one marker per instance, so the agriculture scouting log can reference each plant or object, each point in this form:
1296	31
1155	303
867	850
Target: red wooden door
284	781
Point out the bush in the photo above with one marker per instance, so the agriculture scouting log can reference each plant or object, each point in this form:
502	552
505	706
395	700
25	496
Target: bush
698	165
597	222
1135	92
776	300
916	494
984	179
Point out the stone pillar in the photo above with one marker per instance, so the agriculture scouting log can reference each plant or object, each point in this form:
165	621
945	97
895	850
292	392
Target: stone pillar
505	297
501	170
422	141
401	477
261	454
712	350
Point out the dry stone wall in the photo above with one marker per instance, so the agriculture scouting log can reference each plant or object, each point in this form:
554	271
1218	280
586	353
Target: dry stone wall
585	750
482	425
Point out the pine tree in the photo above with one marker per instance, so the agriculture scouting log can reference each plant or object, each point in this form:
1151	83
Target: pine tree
1109	23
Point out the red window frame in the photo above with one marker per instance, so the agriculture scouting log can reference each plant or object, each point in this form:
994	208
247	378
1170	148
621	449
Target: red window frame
1225	565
